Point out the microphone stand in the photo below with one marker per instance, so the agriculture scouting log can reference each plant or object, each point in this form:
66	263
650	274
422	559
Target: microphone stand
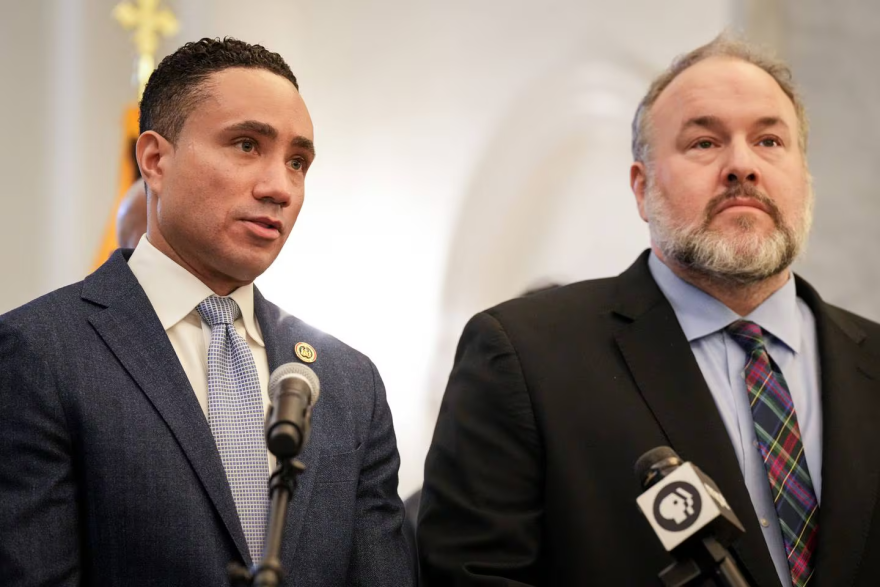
294	388
268	572
709	563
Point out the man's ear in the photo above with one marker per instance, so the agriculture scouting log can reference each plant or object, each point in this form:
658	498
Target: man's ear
153	152
638	181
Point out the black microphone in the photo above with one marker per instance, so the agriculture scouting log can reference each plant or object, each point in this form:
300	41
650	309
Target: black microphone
293	389
691	518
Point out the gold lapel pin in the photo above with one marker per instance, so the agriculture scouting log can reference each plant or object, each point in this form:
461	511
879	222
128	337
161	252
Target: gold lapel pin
305	352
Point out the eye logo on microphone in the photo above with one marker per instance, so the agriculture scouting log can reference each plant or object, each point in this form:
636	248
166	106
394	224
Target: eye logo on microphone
677	506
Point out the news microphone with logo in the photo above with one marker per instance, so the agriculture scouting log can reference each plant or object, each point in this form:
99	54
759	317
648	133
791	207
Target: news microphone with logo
691	518
293	389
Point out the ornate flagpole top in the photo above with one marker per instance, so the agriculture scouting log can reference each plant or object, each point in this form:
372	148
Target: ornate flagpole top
148	22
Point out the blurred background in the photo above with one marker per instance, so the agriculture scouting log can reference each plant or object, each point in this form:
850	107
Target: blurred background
468	150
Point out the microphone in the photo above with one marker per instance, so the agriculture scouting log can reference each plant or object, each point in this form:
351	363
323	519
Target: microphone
691	518
293	389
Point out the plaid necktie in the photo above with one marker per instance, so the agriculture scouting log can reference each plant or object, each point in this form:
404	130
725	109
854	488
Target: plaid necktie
779	439
235	415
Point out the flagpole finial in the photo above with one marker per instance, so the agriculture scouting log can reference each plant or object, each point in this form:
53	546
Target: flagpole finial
148	22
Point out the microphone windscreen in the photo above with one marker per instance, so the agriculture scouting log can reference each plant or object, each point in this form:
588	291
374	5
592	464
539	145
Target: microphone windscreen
651	458
294	370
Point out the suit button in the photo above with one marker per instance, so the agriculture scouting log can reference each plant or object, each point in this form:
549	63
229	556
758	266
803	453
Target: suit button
765	523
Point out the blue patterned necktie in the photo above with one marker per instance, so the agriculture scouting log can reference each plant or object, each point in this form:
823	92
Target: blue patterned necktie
779	440
235	415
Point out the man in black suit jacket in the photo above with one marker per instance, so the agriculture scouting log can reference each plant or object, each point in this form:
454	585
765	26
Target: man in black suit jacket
110	473
553	397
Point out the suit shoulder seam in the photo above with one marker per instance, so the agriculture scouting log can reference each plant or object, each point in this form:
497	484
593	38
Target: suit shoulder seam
30	349
519	365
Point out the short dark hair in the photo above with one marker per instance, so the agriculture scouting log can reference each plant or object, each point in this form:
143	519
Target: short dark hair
178	84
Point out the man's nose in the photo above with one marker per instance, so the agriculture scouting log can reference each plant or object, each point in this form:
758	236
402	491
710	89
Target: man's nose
275	185
741	166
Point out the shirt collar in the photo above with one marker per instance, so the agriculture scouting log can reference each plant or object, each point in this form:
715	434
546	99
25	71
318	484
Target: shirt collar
699	314
174	292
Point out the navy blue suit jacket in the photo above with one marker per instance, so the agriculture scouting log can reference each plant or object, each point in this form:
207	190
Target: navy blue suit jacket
110	476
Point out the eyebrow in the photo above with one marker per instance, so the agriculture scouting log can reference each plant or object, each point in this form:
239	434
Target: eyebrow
716	124
769	121
269	131
709	122
302	142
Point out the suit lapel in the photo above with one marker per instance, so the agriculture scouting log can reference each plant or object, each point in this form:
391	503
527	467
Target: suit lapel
663	366
851	467
132	331
280	333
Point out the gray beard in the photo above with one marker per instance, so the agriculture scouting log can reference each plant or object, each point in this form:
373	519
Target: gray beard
745	258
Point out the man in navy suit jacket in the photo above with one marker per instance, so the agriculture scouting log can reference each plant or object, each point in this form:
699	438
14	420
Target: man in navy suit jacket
110	474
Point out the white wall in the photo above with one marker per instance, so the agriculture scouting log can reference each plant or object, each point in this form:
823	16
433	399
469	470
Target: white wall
466	149
833	49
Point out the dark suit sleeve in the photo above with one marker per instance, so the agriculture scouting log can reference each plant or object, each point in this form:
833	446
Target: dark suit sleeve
381	555
39	540
481	509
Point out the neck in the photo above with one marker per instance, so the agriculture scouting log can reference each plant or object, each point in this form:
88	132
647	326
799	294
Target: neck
221	287
742	298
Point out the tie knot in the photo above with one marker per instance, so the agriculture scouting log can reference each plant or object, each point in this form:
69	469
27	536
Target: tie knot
216	310
747	334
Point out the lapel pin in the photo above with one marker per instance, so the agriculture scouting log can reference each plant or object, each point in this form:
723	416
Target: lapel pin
305	352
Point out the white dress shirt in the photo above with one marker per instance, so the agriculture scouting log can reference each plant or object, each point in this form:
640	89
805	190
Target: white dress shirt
175	293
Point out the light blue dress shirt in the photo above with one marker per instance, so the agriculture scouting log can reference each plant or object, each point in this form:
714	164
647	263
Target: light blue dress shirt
790	335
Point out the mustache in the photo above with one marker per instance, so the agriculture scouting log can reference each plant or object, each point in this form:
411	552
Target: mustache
743	191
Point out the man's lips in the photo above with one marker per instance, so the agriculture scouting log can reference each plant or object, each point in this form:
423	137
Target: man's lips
741	203
264	226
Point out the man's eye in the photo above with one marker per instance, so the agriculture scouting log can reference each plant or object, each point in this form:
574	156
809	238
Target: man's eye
247	146
703	144
768	142
296	164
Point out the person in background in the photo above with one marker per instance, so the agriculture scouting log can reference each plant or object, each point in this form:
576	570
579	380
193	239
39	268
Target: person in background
708	343
131	218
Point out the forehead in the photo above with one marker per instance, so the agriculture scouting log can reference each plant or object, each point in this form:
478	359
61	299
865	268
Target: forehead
730	89
237	94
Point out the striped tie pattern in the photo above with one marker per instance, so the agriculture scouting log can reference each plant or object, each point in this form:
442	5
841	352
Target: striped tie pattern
779	440
235	415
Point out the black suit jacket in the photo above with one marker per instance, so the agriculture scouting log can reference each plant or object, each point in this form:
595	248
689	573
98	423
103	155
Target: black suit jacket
109	474
552	398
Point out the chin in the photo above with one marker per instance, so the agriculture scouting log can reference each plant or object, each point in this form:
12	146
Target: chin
744	224
242	261
244	270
